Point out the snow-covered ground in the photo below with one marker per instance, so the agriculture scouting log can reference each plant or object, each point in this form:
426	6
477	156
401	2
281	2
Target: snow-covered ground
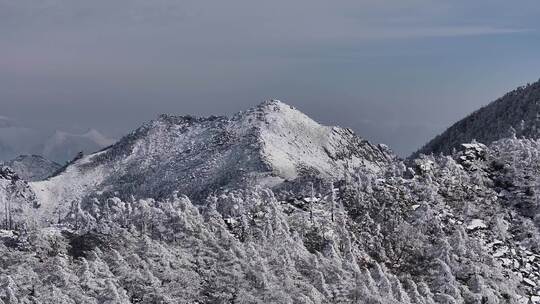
73	184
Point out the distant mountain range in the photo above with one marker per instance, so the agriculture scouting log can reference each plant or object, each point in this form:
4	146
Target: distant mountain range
63	146
60	147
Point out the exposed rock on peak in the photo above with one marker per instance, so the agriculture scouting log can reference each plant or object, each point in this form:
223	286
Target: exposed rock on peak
6	173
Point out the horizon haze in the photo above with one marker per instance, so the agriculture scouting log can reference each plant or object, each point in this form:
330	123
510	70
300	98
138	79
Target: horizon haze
396	73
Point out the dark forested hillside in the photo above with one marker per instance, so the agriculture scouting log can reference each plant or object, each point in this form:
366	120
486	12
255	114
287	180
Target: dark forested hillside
517	112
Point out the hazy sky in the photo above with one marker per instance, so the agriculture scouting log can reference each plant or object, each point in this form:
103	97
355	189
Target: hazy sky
396	71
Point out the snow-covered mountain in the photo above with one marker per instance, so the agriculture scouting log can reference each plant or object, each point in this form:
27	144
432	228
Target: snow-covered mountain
266	146
32	167
516	113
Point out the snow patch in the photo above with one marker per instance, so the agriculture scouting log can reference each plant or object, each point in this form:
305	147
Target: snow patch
476	224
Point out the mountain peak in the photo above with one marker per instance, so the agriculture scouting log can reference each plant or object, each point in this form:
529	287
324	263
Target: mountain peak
275	114
269	144
273	105
266	107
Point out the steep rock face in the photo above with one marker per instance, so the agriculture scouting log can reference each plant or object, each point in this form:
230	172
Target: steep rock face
517	112
266	145
32	167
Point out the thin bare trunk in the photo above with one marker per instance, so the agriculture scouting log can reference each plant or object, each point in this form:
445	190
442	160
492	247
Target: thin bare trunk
311	201
332	199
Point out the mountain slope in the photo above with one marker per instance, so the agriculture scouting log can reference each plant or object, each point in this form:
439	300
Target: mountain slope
265	145
32	167
516	112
